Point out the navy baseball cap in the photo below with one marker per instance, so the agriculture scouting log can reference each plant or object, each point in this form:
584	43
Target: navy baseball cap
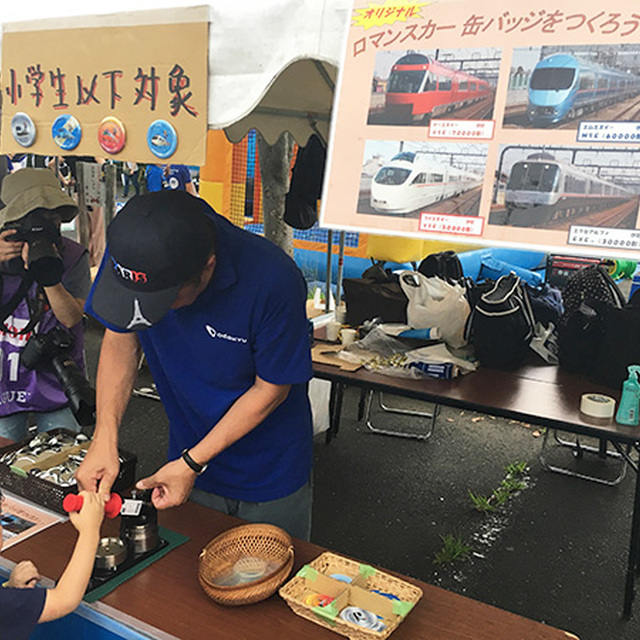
155	244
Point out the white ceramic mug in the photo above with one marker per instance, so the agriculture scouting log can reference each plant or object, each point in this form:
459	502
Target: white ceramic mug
348	337
333	331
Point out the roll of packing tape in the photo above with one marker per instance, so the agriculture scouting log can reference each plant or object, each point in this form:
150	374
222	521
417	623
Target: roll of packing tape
597	405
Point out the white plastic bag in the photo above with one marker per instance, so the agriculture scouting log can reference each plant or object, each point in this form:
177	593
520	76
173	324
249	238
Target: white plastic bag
434	303
319	392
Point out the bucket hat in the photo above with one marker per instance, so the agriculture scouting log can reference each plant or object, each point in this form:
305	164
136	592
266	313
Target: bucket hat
29	189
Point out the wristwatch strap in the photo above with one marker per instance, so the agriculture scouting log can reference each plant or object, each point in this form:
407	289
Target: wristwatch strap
192	464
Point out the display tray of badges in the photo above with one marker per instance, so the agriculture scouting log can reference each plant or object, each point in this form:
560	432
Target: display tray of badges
42	467
353	599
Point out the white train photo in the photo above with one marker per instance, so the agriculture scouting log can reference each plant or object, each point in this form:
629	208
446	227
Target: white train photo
413	180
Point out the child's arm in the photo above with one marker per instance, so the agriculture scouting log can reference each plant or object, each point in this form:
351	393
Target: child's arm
24	575
67	594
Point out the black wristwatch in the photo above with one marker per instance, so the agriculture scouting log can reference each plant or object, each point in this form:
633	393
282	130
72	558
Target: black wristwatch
199	469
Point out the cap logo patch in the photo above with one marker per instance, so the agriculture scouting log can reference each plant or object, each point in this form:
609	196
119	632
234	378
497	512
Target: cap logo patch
129	274
138	317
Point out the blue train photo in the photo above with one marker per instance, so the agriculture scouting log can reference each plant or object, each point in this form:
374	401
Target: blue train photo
557	86
565	87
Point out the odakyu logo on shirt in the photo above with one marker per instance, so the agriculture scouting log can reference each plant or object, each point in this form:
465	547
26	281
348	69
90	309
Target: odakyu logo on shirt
139	277
214	333
11	333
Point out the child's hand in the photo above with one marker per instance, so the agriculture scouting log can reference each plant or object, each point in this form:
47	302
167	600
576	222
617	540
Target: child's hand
90	516
25	575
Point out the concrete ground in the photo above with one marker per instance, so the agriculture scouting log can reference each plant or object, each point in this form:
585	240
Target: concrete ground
556	552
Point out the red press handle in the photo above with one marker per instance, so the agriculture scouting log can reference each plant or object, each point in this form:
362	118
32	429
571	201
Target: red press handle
73	502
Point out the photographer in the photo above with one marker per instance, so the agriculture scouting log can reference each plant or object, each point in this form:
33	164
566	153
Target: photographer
44	280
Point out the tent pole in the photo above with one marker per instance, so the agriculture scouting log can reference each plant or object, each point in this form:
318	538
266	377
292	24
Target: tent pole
340	267
327	296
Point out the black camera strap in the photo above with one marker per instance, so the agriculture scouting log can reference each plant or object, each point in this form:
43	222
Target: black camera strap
35	305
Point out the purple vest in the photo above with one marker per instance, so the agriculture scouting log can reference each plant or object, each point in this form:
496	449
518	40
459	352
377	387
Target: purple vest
20	388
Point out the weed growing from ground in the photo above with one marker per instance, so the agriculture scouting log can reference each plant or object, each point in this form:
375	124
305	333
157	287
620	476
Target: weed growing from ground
454	548
511	483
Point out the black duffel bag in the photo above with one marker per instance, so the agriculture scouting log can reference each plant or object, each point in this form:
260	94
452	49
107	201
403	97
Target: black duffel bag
377	294
619	345
597	334
501	325
445	265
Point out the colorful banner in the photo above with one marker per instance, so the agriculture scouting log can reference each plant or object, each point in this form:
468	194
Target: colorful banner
129	87
481	123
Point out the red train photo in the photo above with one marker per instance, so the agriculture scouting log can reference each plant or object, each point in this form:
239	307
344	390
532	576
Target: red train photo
420	86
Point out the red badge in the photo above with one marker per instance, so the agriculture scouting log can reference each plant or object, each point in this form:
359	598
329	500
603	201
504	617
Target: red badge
111	135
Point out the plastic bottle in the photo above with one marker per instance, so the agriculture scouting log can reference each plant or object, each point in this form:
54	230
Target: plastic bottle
629	406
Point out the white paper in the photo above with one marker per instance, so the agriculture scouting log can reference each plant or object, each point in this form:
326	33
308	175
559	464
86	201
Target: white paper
21	519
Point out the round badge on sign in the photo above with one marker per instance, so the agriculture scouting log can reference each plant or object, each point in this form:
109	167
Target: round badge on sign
111	135
66	132
23	130
162	138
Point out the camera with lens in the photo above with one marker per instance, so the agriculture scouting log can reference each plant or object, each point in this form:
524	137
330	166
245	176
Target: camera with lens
43	236
52	350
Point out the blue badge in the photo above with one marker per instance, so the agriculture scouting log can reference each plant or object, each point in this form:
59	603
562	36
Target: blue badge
23	130
391	596
66	132
162	138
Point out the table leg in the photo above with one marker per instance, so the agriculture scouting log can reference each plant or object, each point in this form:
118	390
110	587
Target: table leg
634	547
339	408
335	409
361	403
602	448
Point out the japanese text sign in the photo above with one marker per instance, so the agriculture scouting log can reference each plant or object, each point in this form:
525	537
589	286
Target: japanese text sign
131	86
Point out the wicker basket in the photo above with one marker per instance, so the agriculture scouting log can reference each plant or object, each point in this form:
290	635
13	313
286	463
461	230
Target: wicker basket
247	545
366	581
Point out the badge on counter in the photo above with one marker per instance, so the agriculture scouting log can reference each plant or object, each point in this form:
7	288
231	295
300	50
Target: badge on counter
363	618
66	132
162	138
318	600
23	129
112	135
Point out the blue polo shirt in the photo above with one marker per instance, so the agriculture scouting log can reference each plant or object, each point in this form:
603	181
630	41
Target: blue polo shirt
250	321
153	176
20	610
177	176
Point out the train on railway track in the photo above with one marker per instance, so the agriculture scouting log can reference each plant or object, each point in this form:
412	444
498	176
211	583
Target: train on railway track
542	190
563	87
420	87
411	180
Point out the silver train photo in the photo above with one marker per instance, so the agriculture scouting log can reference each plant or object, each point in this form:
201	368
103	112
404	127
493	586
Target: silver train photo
410	181
542	190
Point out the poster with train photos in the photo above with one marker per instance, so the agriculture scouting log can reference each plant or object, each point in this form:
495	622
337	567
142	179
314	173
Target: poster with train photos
480	122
